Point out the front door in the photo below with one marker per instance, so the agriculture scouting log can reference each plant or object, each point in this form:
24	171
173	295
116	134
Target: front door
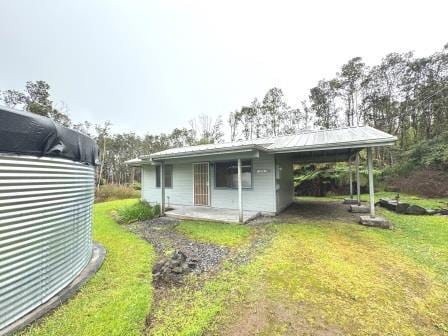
200	183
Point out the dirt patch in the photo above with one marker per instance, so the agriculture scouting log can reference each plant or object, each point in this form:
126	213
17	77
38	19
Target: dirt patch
271	317
303	210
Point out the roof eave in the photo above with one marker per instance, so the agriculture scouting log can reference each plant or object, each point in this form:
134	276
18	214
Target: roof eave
352	144
214	151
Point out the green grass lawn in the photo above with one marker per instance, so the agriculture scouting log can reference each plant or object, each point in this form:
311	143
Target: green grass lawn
230	235
118	298
325	278
314	277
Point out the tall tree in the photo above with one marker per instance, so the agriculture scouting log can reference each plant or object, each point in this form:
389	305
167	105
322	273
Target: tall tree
322	104
234	121
351	76
103	132
36	99
274	111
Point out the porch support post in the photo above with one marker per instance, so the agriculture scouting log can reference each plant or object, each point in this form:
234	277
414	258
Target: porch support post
371	190
162	187
240	193
358	183
350	178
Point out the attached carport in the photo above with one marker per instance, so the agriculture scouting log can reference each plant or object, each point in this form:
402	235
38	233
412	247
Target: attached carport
338	145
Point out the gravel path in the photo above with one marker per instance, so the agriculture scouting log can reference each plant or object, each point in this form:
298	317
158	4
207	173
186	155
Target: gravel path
161	233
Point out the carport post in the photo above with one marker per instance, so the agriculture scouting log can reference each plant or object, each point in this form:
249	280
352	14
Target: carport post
240	192
371	190
350	177
358	184
162	187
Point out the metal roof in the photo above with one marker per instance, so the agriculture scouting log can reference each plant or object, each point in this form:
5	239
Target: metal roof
316	140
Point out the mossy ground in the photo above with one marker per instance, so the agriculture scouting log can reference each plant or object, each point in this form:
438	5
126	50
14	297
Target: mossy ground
325	277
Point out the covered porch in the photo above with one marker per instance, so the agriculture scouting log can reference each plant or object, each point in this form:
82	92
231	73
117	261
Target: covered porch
209	214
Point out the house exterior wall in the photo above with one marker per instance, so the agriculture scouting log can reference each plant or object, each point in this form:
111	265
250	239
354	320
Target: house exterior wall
261	197
180	194
284	181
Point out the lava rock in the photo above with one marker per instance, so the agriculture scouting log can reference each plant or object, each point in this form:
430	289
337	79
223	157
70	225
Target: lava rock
415	210
171	270
402	207
432	211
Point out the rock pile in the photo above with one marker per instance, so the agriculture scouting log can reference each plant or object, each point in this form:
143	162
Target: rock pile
410	209
172	269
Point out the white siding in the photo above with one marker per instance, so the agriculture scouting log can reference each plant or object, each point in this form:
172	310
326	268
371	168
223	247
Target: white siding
181	193
285	190
260	198
262	195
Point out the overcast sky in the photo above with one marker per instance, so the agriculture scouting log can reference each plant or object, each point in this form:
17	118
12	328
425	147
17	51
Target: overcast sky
150	66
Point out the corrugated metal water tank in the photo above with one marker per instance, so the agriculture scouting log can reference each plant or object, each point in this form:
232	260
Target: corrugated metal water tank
47	186
45	229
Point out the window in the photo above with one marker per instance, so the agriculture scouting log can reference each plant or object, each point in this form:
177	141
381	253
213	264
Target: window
168	176
226	174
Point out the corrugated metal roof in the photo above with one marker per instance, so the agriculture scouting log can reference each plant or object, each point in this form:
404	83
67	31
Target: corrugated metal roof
349	137
332	138
262	143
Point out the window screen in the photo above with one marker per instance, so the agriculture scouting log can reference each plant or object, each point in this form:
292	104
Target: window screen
226	174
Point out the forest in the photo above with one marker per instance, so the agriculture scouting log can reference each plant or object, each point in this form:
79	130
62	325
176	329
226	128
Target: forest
404	95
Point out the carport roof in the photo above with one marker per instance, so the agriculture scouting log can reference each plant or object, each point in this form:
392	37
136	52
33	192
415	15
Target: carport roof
305	141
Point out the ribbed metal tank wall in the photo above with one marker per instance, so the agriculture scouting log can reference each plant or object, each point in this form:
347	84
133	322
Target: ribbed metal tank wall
45	229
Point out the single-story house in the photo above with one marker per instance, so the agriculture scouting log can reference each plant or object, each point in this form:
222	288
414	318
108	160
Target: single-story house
252	175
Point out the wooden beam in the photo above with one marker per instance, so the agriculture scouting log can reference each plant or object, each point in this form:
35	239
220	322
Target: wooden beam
358	182
162	187
371	187
240	192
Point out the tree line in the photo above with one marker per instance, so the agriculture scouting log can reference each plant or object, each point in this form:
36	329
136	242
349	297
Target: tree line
404	95
115	148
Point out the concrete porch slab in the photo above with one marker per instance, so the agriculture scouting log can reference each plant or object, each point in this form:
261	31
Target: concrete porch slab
209	214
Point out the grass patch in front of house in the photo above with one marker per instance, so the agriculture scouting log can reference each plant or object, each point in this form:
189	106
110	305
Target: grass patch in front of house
423	238
325	277
138	211
195	308
117	299
225	234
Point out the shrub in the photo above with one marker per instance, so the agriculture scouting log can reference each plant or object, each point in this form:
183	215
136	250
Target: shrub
111	192
136	186
137	212
428	154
